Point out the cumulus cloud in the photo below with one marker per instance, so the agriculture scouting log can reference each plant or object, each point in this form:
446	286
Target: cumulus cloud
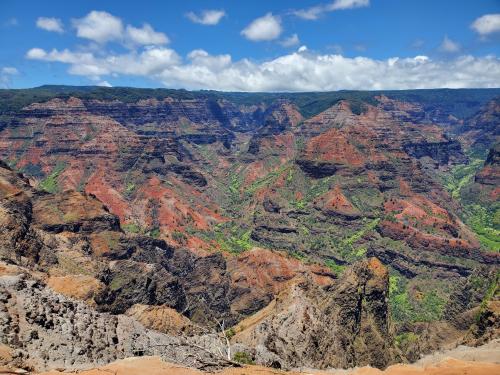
291	41
148	62
298	71
103	27
99	27
145	35
207	17
487	24
6	74
50	24
315	12
265	28
449	46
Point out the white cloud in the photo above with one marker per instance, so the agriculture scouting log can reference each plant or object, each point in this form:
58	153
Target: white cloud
315	12
207	17
104	84
99	26
298	71
102	27
487	24
265	28
149	62
145	35
291	41
6	74
9	70
448	45
64	56
50	24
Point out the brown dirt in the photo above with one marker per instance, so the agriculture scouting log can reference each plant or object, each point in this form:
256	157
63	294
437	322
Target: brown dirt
155	366
161	318
81	287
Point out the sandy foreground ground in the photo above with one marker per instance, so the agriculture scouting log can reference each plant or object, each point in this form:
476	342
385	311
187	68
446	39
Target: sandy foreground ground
484	360
154	366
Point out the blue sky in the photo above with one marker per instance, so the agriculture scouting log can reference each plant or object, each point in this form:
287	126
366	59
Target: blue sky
251	45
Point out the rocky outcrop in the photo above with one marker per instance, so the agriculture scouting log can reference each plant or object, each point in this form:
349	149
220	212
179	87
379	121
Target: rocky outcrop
342	325
442	152
47	331
258	275
17	238
490	173
72	212
481	130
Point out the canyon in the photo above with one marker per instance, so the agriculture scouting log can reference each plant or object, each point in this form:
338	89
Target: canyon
308	230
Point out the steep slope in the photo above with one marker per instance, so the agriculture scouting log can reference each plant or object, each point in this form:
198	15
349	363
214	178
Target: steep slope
72	238
210	203
291	332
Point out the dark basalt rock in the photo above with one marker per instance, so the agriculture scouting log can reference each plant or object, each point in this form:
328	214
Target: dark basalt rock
490	174
188	175
411	266
98	224
317	169
153	273
442	152
129	282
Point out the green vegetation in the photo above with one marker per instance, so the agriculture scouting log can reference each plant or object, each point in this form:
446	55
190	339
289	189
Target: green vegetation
490	293
49	184
299	204
179	237
404	339
346	246
319	187
299	255
337	269
244	358
234	243
365	199
230	333
404	308
357	235
460	176
130	188
131	228
118	281
155	232
458	102
266	180
485	223
234	185
70	217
